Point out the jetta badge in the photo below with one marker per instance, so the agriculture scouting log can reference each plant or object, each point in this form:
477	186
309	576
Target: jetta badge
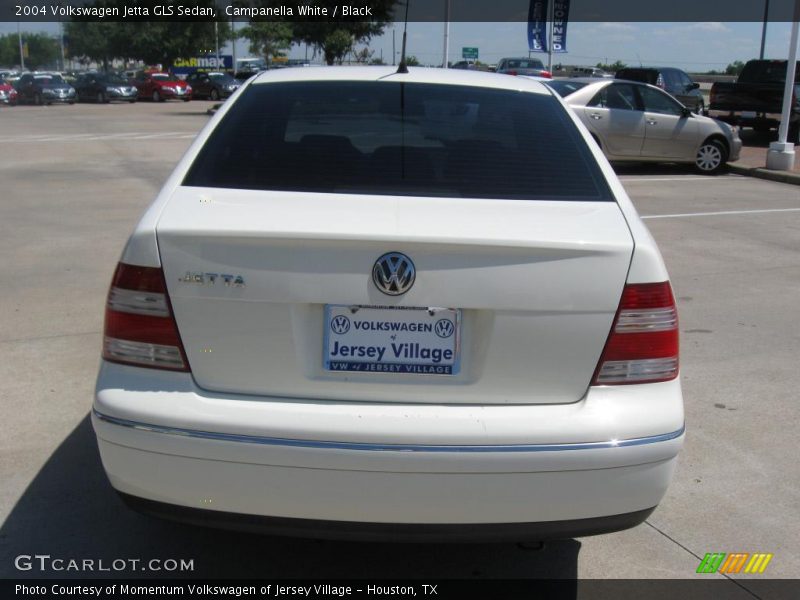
394	273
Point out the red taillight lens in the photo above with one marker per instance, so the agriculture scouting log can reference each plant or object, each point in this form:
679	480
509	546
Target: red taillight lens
546	74
511	72
643	344
140	328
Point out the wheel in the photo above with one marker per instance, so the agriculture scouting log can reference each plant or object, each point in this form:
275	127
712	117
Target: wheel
156	96
711	157
214	95
37	99
101	98
132	101
185	99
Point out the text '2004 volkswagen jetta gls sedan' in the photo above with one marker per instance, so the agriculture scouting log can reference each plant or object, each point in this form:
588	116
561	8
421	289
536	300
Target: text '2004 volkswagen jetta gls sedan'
408	305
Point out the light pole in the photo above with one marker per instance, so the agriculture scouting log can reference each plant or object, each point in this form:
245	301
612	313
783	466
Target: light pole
21	51
764	29
446	53
780	156
216	37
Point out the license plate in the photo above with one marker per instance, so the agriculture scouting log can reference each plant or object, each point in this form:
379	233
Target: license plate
388	339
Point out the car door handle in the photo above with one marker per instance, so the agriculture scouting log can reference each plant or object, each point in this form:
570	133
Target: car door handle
652	122
596	117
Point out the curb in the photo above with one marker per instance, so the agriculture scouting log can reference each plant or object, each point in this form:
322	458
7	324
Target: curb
762	173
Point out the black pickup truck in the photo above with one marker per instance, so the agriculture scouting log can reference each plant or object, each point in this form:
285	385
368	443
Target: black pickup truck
756	99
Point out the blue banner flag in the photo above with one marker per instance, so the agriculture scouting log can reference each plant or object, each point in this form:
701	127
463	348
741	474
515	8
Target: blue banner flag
537	26
560	19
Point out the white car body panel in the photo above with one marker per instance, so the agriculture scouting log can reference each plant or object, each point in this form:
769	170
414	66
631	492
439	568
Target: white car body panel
280	438
298	252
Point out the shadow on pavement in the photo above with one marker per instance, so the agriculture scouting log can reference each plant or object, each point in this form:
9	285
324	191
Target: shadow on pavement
70	511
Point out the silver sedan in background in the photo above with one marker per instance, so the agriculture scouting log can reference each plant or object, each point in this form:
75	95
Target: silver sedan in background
634	121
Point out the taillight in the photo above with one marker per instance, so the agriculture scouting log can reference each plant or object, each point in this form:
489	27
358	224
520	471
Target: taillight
643	344
546	74
511	72
140	327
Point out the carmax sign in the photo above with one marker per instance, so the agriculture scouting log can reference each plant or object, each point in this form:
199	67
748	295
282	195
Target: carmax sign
184	66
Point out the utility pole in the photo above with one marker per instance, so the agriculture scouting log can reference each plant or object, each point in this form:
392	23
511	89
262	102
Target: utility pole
21	51
216	36
780	156
61	41
446	53
233	44
764	29
550	16
394	52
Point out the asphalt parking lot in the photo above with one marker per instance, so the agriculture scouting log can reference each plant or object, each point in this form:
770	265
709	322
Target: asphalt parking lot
73	181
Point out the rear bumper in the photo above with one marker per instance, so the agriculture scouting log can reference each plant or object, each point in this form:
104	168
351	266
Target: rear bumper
395	532
531	471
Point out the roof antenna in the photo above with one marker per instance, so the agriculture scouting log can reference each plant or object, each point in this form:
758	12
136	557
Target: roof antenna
403	67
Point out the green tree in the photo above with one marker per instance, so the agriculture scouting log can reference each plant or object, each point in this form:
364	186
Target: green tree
43	50
99	41
617	65
268	39
334	39
163	42
412	61
9	49
735	68
156	42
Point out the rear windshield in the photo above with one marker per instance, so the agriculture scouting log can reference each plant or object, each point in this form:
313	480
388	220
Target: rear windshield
406	139
766	71
524	63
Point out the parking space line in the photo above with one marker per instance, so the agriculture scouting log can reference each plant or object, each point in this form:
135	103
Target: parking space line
722	212
680	178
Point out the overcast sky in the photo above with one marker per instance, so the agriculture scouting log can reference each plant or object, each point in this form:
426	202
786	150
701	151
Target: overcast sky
691	46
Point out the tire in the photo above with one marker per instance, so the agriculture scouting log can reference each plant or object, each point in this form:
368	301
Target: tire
37	99
186	99
711	157
132	101
156	96
214	95
101	98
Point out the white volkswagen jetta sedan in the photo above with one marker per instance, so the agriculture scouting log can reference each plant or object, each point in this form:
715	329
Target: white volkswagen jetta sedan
412	306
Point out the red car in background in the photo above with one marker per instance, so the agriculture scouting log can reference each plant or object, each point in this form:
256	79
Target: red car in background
8	95
162	86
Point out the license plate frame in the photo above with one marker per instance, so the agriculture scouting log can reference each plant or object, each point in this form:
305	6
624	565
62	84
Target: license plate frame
428	333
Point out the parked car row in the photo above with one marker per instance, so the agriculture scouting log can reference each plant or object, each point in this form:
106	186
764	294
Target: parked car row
49	88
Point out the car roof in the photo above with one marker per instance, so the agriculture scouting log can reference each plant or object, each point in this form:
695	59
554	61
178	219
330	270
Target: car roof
414	75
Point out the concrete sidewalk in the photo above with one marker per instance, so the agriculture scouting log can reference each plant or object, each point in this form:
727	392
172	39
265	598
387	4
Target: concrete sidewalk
753	159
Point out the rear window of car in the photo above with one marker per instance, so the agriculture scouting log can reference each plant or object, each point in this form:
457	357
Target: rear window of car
405	139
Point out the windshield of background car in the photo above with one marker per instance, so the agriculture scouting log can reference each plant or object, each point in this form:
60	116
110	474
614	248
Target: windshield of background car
49	80
160	77
564	88
115	80
223	79
396	138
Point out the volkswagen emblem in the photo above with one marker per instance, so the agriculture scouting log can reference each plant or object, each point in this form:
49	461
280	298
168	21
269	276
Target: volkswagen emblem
394	273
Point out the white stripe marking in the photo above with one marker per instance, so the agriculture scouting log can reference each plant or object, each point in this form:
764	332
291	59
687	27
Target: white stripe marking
690	178
723	212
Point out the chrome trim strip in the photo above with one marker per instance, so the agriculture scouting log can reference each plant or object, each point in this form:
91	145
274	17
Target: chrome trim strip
364	446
